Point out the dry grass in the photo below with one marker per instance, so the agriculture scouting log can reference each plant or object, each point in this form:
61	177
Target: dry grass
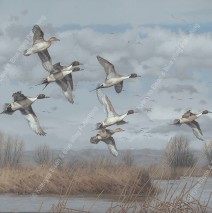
87	178
174	200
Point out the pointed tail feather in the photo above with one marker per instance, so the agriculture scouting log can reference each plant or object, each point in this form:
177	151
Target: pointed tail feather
7	109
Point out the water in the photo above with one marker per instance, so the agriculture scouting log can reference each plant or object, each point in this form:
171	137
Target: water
19	203
201	190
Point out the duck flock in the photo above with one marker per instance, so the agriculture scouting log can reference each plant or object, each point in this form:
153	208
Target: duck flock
62	75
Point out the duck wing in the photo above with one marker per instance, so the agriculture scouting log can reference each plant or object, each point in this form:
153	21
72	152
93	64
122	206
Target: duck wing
66	84
38	34
46	60
111	146
108	67
118	87
18	96
103	99
196	130
58	66
32	120
188	114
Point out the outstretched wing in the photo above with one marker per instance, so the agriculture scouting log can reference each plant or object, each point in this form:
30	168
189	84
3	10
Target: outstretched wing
58	66
66	85
46	60
108	67
38	34
196	130
18	96
32	120
188	114
118	87
103	99
111	146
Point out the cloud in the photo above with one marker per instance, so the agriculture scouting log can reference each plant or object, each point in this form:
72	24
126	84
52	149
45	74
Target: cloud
179	89
186	78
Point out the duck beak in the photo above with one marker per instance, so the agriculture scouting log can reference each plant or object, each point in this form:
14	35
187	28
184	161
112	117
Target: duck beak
47	97
139	76
57	39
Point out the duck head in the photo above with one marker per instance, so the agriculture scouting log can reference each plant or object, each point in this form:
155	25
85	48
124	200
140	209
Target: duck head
206	112
53	39
130	112
76	63
42	96
134	75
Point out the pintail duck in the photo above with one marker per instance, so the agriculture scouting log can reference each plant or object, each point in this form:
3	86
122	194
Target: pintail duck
23	104
189	118
39	46
105	135
112	77
112	116
63	77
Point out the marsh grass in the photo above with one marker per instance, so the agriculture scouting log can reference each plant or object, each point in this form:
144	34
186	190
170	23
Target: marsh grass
174	200
85	178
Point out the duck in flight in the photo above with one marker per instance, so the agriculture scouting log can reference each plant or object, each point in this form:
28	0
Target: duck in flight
39	44
189	118
112	116
66	83
23	104
105	135
112	77
58	75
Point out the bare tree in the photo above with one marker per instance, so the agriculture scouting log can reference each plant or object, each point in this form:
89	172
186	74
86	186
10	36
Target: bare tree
43	155
178	153
11	151
128	158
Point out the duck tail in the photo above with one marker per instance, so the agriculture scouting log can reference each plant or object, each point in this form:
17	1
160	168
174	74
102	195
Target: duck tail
7	109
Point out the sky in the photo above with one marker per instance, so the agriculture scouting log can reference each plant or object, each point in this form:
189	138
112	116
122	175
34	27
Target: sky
167	42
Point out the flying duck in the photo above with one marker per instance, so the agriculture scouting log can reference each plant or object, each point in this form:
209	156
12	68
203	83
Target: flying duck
112	116
112	77
63	77
23	104
105	135
189	118
58	75
39	44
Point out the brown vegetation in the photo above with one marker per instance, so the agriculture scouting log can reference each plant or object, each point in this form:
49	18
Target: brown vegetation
91	178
